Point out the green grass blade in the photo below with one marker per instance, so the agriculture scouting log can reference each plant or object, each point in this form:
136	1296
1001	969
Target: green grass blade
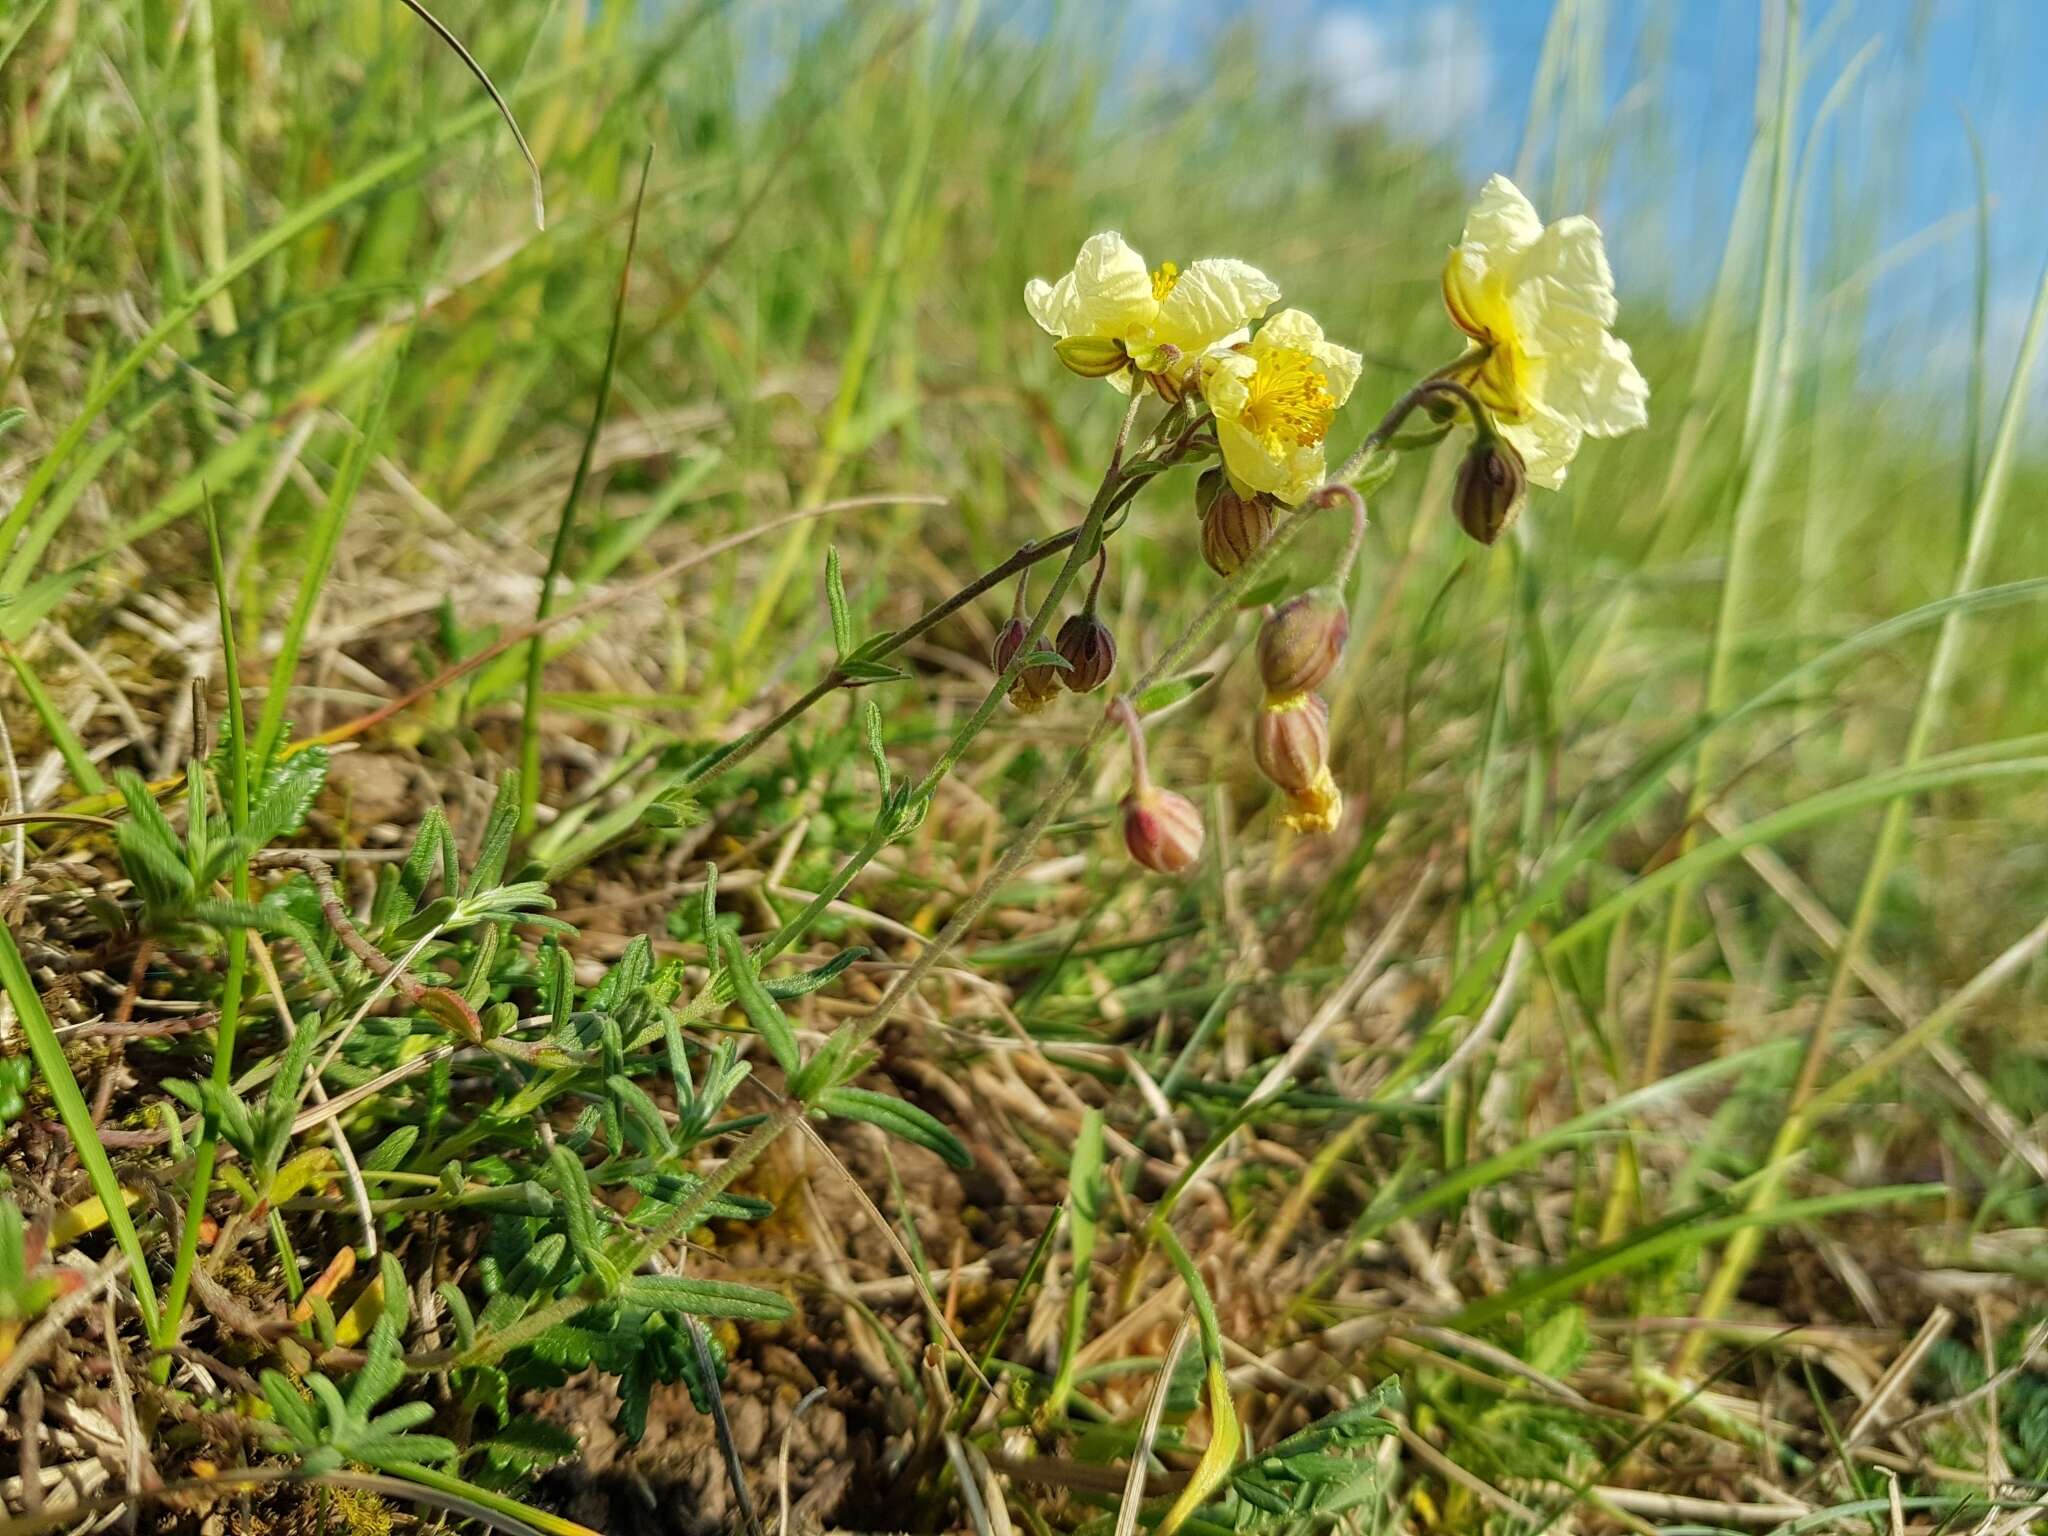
558	554
76	1115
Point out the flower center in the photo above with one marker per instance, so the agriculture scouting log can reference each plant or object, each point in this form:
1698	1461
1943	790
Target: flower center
1287	403
1163	280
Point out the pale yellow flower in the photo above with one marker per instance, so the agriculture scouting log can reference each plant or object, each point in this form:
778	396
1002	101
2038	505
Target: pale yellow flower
1538	303
1115	319
1273	400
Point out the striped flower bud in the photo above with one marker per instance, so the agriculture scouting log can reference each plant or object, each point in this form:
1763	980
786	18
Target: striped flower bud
1089	650
1300	642
1162	830
1034	687
1233	526
1492	483
1291	741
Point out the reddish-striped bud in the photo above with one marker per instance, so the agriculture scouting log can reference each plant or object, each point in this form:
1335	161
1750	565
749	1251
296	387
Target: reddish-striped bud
1291	741
1089	650
1034	687
1301	641
1233	526
1162	830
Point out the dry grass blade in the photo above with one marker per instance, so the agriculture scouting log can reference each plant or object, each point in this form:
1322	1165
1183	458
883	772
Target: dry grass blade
1133	1501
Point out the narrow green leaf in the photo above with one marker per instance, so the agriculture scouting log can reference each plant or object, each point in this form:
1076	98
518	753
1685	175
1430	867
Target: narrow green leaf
768	1020
898	1118
704	1298
835	599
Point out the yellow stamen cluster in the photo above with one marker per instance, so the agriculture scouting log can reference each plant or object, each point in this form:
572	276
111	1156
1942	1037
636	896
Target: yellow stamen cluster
1287	401
1164	276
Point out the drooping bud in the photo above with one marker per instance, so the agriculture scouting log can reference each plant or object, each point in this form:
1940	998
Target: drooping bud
1034	687
1089	650
1301	641
1233	526
1162	830
1492	483
1092	357
1291	741
1317	808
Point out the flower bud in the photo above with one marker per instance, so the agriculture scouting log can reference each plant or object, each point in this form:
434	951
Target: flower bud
1301	641
1089	650
1034	687
1162	830
1491	485
1315	809
1291	741
1233	526
1092	357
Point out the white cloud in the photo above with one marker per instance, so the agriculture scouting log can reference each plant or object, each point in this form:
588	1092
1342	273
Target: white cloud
1426	74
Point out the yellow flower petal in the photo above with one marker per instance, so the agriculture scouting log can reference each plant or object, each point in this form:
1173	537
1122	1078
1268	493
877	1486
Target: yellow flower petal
1211	300
1547	443
1502	221
1109	293
1112	288
1052	304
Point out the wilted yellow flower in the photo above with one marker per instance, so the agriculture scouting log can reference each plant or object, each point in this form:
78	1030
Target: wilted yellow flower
1114	319
1538	302
1315	809
1273	399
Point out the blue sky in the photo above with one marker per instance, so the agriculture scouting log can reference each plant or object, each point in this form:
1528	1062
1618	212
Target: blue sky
1893	177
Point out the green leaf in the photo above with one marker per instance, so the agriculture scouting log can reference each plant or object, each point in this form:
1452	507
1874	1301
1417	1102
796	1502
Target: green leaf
1172	691
287	793
835	599
768	1020
704	1298
860	672
804	983
1049	659
871	732
1261	593
499	828
389	1154
899	1119
579	1209
459	1314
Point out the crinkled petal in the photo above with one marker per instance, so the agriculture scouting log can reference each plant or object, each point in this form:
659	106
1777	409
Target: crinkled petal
1303	471
1052	305
1226	383
1341	367
1548	443
1292	328
1112	288
1571	260
1602	391
1251	467
1212	298
1503	222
